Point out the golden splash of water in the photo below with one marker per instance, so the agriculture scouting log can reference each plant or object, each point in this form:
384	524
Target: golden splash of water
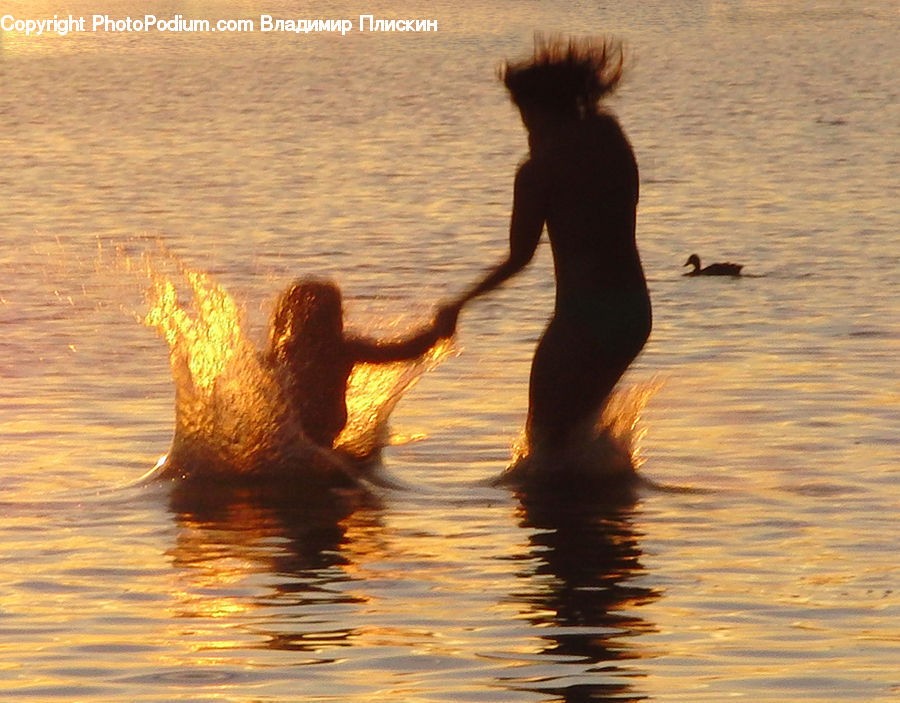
232	409
208	340
372	392
612	444
230	412
621	416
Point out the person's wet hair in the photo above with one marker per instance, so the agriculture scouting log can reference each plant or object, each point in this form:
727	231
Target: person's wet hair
307	309
568	77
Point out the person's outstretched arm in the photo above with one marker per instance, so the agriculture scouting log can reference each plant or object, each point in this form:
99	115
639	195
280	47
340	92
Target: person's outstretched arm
526	225
379	352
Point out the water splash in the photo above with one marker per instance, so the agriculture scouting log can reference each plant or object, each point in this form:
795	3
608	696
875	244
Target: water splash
372	393
233	416
606	452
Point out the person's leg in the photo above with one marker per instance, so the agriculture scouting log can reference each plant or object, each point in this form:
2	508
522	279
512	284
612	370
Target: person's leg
567	386
574	370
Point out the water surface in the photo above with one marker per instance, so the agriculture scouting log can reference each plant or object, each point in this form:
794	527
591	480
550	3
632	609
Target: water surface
767	134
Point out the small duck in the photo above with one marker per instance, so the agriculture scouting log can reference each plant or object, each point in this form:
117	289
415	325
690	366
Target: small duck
723	269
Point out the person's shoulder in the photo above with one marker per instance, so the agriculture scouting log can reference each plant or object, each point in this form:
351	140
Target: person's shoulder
605	125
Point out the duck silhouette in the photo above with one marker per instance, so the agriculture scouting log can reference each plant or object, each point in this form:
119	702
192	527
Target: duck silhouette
723	269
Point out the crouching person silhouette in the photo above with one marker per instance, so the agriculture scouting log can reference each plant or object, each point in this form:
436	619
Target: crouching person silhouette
307	340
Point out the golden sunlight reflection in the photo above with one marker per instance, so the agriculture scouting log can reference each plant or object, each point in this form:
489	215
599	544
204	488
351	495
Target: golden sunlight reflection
242	556
524	586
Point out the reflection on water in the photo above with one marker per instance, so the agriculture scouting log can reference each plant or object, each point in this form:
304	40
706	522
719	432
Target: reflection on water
308	574
258	554
582	593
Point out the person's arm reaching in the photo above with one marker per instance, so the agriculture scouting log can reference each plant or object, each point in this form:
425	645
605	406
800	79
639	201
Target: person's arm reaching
375	351
526	225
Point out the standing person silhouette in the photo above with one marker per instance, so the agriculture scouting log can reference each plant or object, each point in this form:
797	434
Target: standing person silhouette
581	180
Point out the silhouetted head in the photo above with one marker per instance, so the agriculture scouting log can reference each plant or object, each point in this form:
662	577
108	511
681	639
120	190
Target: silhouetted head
310	310
564	78
693	260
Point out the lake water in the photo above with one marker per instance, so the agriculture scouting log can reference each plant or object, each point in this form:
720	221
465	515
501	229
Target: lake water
768	133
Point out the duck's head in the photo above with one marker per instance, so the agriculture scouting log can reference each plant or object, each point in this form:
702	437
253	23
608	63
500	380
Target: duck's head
693	260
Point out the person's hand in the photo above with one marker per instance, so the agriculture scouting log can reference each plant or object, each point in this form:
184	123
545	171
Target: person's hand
445	320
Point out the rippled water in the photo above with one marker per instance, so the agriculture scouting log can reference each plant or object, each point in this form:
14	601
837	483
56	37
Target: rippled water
766	567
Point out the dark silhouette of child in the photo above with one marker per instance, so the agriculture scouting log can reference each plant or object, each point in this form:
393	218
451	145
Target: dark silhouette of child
307	340
581	181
